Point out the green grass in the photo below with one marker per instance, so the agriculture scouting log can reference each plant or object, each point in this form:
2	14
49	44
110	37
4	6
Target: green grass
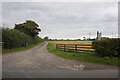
4	51
82	56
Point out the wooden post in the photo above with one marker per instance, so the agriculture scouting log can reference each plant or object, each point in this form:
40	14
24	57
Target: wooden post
56	46
76	48
64	47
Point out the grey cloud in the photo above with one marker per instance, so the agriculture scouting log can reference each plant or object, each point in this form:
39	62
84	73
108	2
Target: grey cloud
58	20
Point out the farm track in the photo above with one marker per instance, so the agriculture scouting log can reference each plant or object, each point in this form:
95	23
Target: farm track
39	63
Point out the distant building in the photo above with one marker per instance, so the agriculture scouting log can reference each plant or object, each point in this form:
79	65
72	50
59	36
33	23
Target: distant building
99	35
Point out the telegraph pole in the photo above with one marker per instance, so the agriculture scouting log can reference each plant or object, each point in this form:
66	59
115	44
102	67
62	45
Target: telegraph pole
89	35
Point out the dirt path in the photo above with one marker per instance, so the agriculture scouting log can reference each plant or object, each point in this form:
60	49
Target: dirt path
38	63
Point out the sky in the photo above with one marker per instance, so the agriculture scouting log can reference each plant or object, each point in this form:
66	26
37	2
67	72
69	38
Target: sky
65	20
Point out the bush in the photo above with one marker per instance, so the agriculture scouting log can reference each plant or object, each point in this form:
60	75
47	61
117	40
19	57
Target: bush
37	39
106	47
12	38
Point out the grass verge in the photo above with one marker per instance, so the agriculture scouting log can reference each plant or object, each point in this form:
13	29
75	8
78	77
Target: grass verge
82	56
4	51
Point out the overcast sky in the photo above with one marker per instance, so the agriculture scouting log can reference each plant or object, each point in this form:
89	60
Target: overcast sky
71	20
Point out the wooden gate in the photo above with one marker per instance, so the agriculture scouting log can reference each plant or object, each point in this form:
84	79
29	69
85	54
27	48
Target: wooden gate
74	47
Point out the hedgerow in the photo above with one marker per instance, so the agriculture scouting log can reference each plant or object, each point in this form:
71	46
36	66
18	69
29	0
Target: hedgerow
106	47
13	38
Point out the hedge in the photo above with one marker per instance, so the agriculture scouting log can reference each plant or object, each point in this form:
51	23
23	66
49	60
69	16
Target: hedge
107	47
12	38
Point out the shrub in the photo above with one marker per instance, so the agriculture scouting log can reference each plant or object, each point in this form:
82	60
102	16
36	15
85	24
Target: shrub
13	38
106	47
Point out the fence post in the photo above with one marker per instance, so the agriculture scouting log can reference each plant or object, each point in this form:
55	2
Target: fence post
56	46
64	47
76	48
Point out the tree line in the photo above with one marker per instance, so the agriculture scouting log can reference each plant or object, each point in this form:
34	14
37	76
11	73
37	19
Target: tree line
22	35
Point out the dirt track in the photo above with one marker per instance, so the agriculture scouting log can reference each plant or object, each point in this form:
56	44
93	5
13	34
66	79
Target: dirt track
39	63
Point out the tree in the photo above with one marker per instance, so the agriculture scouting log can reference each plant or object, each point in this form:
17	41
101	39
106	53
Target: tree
46	38
84	38
78	39
29	27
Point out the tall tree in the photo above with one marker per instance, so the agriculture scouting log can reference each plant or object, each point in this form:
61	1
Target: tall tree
46	38
29	27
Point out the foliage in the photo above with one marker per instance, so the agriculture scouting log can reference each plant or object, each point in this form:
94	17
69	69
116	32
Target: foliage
4	51
29	27
82	56
22	35
71	40
106	47
46	38
13	38
0	35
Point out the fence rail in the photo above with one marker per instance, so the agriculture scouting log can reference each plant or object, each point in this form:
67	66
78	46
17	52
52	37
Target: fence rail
74	47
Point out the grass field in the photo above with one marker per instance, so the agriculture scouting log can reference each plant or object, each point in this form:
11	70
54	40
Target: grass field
74	42
82	56
71	42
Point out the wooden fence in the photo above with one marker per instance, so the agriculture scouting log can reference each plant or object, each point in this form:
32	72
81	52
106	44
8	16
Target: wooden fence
74	47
